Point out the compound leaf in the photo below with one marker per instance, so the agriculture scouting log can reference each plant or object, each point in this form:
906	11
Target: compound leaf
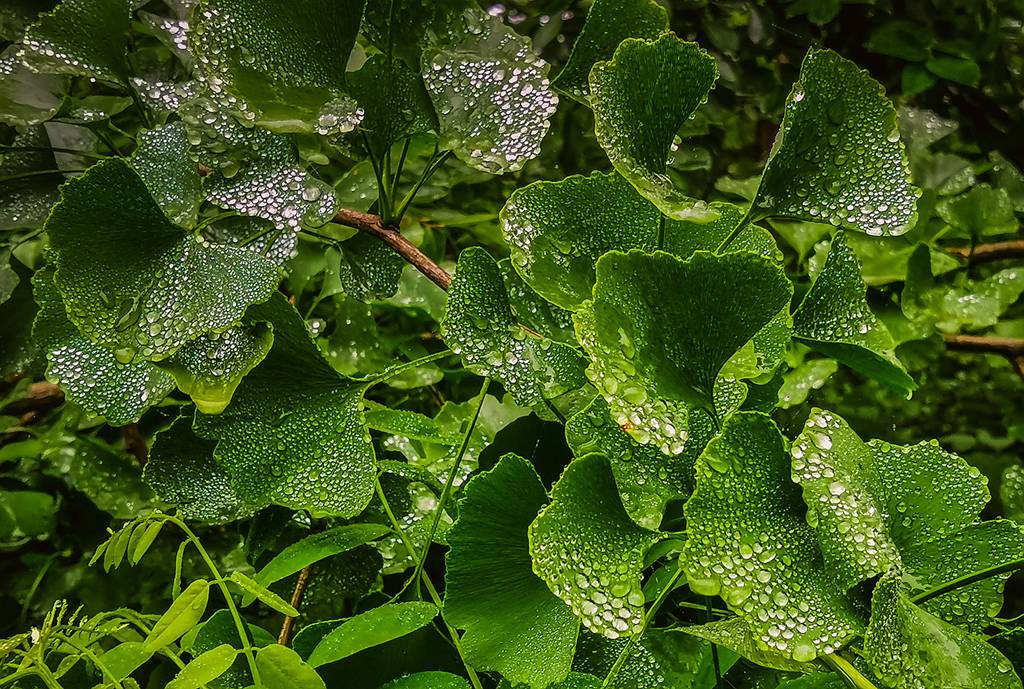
588	550
838	157
641	97
82	37
479	326
749	542
514	624
834	319
133	281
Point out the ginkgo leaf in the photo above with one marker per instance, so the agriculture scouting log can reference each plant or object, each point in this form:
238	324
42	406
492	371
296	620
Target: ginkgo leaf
284	63
609	22
911	649
834	319
406	28
479	326
209	368
558	230
660	658
838	157
491	93
532	310
646	477
980	211
133	281
684	237
172	178
641	97
82	37
257	235
510	616
182	471
964	304
26	97
28	194
661	355
88	373
734	634
283	193
867	505
749	542
368	269
589	552
394	101
294	433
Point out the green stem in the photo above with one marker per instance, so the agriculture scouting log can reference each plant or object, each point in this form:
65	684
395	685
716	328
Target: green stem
847	671
744	221
968	579
661	231
709	613
36	173
446	493
95	660
429	585
243	635
435	163
51	149
648	616
408	365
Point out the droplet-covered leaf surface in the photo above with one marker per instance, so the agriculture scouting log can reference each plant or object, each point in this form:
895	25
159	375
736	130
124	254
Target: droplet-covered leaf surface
294	433
609	22
835	319
490	92
172	178
514	624
133	281
838	157
734	634
588	550
284	194
558	230
659	659
394	102
371	628
82	37
88	373
479	326
641	97
749	542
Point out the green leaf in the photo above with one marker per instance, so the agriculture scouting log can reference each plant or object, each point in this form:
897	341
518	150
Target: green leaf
162	162
878	507
142	539
798	383
838	157
659	658
964	304
410	425
961	70
316	547
204	668
88	373
534	311
394	101
255	234
281	668
609	22
26	514
910	648
368	269
683	237
490	92
980	212
182	471
641	97
210	368
117	548
371	628
1011	492
186	610
428	680
734	634
514	625
479	326
143	298
834	319
27	98
294	434
558	230
82	37
254	589
278	191
647	478
125	658
284	62
749	542
654	358
588	550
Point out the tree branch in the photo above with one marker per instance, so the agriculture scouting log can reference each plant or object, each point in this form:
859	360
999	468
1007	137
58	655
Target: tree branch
996	251
300	589
1010	347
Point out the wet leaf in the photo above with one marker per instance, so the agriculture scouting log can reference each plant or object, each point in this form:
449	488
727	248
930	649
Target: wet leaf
172	178
371	628
81	37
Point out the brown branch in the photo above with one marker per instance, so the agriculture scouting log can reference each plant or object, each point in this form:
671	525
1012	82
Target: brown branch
300	589
41	396
135	443
995	251
367	222
1010	347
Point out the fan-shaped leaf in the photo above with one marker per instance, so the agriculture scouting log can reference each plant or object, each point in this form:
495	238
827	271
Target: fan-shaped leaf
82	37
172	178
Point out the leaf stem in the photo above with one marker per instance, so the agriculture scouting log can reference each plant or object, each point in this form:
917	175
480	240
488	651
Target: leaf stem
435	163
847	671
709	615
648	616
744	221
966	580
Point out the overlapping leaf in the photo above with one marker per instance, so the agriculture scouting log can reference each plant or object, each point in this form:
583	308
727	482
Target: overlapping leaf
510	616
294	433
834	318
142	286
879	507
394	102
491	93
641	97
609	22
82	37
659	658
838	157
748	542
27	98
171	177
479	326
588	550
